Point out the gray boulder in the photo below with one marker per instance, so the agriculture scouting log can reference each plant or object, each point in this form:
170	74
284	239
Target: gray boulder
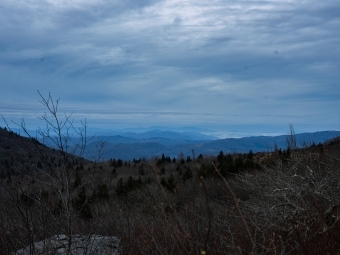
80	245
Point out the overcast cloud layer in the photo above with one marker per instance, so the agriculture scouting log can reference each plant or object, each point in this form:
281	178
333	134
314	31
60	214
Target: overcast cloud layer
212	64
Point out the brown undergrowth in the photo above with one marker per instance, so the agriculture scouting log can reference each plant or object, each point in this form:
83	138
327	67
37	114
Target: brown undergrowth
288	206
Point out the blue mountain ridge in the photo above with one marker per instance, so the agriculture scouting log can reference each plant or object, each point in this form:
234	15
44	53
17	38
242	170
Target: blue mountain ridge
149	144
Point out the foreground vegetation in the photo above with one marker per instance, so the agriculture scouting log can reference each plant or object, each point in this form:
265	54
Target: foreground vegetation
281	202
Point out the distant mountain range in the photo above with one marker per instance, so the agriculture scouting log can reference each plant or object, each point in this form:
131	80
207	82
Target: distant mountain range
152	143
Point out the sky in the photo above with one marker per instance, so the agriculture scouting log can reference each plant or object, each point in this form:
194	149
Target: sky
225	66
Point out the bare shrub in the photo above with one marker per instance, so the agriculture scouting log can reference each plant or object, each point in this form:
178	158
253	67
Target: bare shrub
52	199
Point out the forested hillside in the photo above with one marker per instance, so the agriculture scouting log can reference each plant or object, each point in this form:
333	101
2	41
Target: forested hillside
286	201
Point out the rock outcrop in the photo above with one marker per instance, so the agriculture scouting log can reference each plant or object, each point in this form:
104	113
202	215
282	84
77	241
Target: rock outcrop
80	245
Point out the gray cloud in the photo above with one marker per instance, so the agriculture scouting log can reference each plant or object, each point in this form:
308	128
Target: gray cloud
249	62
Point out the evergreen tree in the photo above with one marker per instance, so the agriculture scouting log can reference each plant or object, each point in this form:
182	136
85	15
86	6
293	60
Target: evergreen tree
81	204
187	174
220	157
169	184
250	160
120	189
